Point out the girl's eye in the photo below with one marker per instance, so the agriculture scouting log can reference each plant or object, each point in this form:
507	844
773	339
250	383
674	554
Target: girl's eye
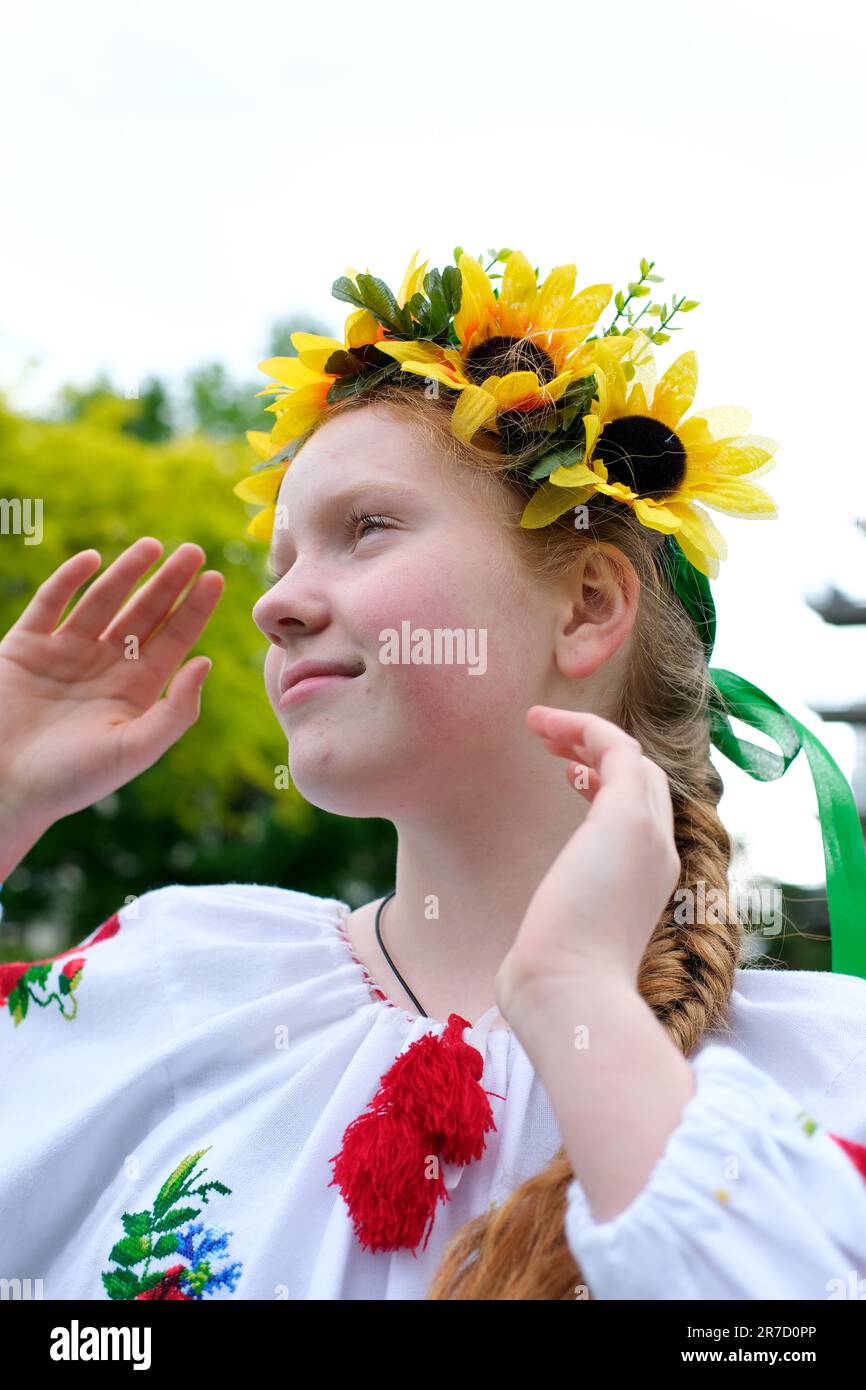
363	520
354	521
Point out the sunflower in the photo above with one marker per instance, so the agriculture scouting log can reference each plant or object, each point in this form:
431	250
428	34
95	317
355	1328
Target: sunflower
262	486
539	331
303	404
301	394
641	451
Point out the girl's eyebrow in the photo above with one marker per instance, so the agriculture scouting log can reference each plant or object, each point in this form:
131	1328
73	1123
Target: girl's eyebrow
335	500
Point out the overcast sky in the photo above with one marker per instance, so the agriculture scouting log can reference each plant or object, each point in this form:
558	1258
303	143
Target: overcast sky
178	175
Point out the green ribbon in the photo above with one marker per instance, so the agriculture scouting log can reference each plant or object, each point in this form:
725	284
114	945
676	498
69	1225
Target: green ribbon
844	851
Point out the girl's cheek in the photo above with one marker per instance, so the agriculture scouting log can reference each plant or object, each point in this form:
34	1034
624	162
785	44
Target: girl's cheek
426	598
436	691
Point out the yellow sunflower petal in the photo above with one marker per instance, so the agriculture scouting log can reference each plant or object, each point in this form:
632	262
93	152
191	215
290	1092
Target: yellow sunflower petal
591	428
304	408
515	387
438	371
620	491
580	315
699	538
656	515
578	475
602	395
554	294
736	498
615	390
707	564
312	342
676	390
727	421
637	401
697	439
745	455
550	502
291	371
262	525
474	408
413	280
407	350
361	328
262	486
314	350
260	442
517	294
552	390
639	355
477	305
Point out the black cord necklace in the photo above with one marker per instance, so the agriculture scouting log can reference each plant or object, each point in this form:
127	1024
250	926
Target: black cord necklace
386	899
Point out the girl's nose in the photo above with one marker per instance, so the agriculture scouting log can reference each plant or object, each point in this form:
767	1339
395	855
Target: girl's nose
284	611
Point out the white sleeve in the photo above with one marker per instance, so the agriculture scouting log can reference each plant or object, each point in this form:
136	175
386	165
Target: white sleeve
82	1038
751	1199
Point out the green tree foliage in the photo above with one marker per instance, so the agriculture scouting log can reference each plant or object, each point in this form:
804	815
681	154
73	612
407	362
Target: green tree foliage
209	810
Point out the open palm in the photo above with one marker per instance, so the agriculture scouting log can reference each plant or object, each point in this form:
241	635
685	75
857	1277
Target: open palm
81	704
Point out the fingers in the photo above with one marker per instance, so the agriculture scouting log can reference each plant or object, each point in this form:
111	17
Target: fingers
147	737
621	769
660	794
42	613
151	603
183	696
593	739
625	788
583	779
168	647
98	606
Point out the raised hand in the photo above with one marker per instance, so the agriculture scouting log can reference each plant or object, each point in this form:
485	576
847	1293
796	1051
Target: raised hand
602	897
82	710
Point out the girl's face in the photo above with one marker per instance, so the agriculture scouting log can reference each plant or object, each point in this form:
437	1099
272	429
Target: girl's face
402	735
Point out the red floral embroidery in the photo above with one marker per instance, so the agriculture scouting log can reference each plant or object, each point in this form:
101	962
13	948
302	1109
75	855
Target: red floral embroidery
856	1152
20	980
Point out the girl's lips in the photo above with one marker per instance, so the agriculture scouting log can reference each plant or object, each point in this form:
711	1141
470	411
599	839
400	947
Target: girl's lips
301	689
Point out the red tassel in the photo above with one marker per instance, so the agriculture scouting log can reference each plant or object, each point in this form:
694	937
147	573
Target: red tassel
430	1105
856	1152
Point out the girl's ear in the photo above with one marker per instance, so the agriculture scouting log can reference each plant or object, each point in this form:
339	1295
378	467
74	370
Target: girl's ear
601	599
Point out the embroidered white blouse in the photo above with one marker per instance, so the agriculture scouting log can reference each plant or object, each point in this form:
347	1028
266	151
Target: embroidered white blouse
174	1087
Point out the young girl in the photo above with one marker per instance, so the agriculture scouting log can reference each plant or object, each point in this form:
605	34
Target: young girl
521	1074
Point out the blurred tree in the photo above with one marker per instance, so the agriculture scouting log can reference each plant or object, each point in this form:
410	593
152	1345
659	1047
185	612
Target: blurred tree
221	407
153	417
209	810
149	414
281	334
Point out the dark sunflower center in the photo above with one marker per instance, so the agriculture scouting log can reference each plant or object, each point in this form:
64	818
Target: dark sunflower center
642	453
501	355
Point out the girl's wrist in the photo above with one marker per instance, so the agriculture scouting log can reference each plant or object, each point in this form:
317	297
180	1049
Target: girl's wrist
17	838
528	997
